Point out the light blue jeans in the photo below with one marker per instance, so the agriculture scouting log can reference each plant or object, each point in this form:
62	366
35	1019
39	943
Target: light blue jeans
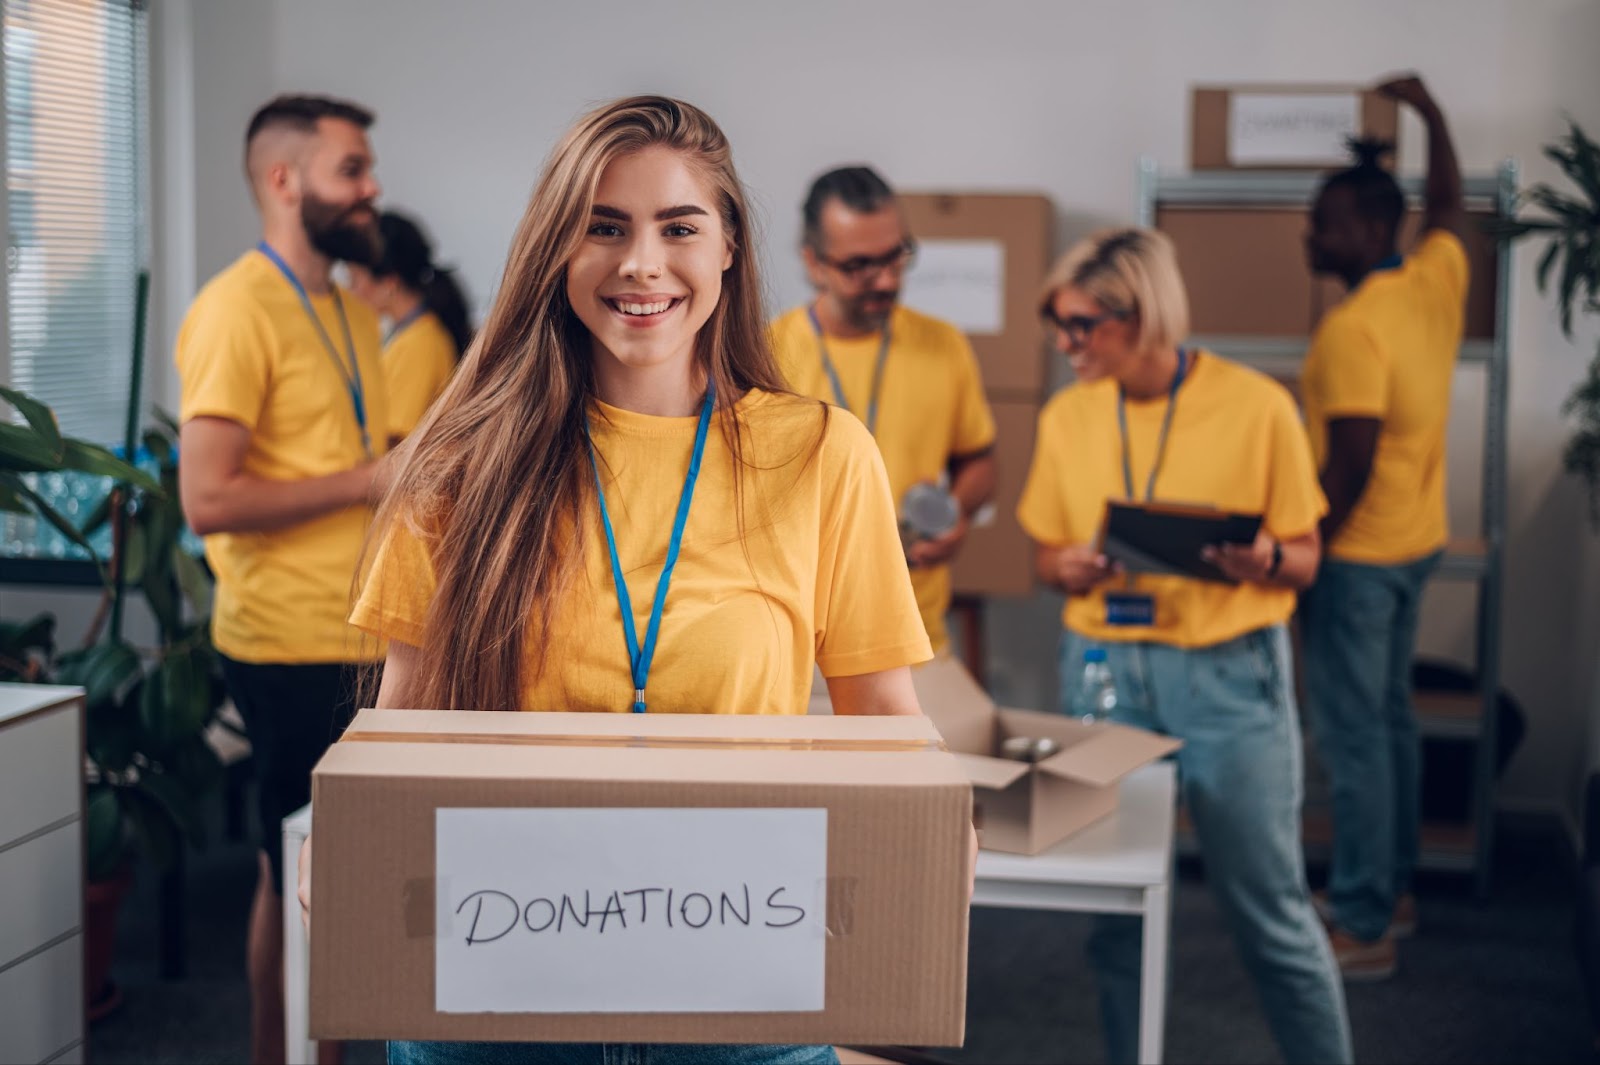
1359	625
404	1053
1240	771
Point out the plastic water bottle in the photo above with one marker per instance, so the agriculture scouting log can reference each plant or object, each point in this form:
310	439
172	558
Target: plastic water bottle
1097	693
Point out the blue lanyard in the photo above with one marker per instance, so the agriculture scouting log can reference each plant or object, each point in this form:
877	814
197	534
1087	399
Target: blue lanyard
351	375
640	658
833	375
400	325
1161	441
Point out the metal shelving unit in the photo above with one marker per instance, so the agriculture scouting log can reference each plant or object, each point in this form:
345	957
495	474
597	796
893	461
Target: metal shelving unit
1469	717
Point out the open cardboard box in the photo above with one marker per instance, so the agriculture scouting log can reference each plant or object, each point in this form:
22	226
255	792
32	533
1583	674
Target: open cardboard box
1023	807
560	877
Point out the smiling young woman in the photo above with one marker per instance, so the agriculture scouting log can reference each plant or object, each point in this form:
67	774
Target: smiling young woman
616	456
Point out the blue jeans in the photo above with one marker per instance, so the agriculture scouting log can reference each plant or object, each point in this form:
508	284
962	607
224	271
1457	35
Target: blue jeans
1359	625
406	1053
1240	770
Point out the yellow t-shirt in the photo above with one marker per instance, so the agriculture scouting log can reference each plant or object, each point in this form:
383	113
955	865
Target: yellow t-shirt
931	408
417	363
1388	352
247	352
1236	443
818	579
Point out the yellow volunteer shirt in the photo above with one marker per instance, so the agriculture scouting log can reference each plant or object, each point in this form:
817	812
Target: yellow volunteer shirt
931	407
1389	352
417	363
247	352
1236	443
819	578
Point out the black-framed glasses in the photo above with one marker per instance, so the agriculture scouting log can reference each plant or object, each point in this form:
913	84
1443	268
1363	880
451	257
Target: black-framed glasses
861	267
1079	327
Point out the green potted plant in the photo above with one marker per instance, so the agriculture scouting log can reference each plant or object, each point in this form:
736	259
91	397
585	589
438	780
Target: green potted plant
1570	224
148	765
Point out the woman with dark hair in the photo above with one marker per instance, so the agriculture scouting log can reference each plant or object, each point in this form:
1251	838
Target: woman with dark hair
429	322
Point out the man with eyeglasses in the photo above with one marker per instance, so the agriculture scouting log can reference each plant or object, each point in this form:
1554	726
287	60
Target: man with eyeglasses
911	379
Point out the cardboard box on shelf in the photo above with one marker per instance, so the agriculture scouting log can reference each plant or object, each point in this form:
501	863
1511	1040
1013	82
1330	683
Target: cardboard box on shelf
1277	127
982	259
1023	807
997	557
1246	273
639	878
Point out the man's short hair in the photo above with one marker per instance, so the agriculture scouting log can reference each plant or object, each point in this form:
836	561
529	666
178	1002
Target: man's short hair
302	113
859	188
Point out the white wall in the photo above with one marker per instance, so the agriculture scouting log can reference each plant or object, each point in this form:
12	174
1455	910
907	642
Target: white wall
1057	97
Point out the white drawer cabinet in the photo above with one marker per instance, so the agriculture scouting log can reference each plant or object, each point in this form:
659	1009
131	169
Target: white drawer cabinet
41	873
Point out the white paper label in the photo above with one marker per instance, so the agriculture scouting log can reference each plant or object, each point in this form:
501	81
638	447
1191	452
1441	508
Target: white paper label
961	281
630	910
1280	129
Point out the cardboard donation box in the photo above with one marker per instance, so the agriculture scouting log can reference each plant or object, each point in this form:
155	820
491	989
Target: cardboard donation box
1024	807
665	878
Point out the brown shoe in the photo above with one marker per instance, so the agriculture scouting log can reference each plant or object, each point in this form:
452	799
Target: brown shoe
1361	962
1402	925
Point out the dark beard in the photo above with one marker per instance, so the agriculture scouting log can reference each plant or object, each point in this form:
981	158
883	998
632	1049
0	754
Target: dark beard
332	233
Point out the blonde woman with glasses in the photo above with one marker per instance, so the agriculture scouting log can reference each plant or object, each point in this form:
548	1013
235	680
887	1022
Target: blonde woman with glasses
1202	659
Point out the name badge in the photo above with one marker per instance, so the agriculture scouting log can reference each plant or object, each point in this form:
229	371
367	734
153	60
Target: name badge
1130	608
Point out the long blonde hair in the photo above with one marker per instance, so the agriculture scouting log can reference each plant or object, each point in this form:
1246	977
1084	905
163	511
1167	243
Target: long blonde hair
496	478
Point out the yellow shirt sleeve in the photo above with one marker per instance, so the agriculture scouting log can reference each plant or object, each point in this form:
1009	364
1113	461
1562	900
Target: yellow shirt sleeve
1042	508
1351	371
224	359
417	365
974	428
399	588
867	617
1295	503
1440	258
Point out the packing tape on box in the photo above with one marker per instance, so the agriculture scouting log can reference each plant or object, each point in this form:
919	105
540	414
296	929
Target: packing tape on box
423	920
692	743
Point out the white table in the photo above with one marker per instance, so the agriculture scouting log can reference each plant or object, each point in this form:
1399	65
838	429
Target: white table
1122	864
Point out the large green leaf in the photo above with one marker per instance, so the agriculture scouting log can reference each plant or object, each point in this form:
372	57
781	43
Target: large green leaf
23	450
105	833
193	580
176	701
1542	273
107	672
38	416
134	553
1583	165
1572	271
91	458
99	515
161	596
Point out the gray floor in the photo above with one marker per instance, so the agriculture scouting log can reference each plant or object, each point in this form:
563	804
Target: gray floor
1492	982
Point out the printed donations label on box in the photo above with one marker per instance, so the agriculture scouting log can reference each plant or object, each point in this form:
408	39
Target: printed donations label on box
657	910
